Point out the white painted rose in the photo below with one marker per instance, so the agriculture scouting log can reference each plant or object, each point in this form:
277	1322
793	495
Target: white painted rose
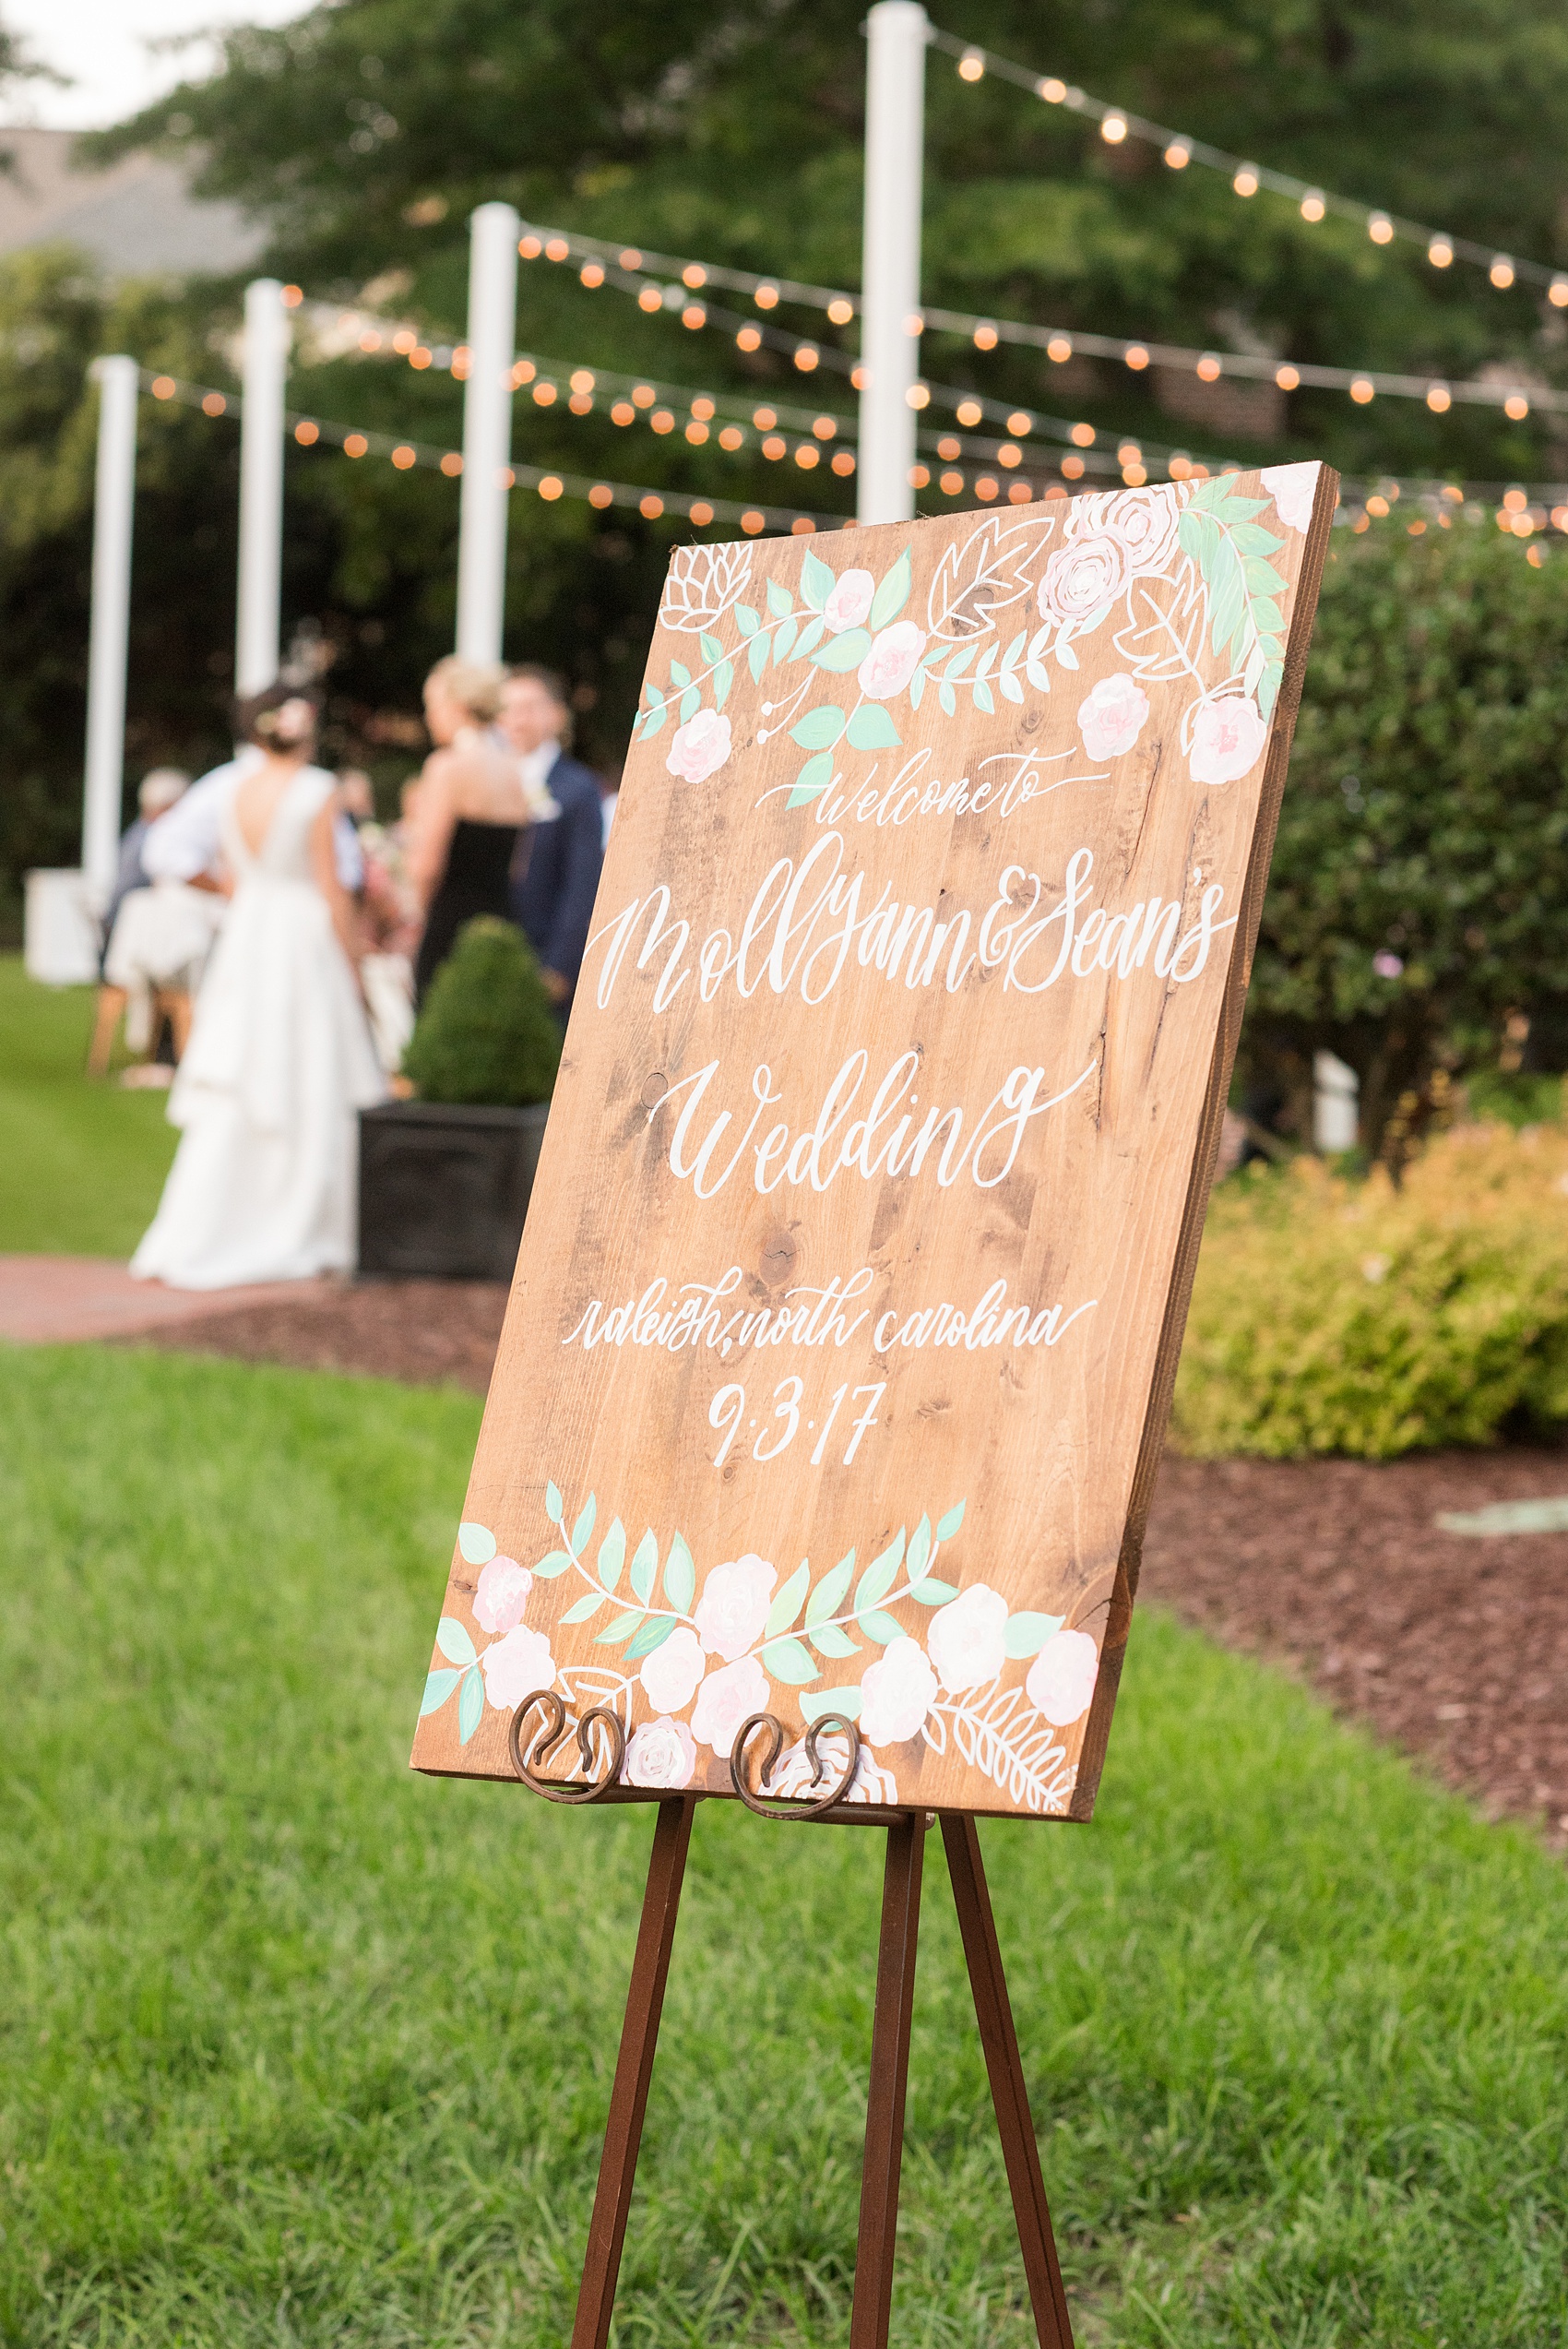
671	1673
700	746
1144	520
892	660
516	1666
501	1595
1227	740
1112	716
1061	1679
896	1694
967	1639
1083	576
734	1605
725	1700
851	601
661	1753
792	1777
1292	488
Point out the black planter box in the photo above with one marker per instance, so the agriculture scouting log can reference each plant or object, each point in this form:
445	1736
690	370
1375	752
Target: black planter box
444	1191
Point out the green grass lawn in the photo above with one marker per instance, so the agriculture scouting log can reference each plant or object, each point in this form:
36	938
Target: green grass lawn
298	2048
82	1163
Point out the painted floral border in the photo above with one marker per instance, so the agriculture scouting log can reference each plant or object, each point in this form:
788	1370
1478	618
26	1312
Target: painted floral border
1187	573
704	1664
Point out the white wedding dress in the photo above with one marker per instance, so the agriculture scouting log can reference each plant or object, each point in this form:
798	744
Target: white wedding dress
264	1184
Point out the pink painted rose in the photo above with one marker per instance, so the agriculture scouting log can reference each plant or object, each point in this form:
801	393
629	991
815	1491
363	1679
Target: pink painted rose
516	1666
1083	576
892	660
700	746
725	1700
896	1694
792	1774
1061	1677
968	1637
1292	488
850	601
1227	740
734	1605
502	1594
1112	716
661	1753
671	1673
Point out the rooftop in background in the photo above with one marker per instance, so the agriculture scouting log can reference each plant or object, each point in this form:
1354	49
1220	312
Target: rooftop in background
137	218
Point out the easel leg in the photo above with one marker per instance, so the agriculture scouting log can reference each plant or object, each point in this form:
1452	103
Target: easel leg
889	2077
634	2069
1000	2042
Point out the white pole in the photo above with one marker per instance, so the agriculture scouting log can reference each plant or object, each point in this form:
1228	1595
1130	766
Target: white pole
114	509
487	431
261	487
890	264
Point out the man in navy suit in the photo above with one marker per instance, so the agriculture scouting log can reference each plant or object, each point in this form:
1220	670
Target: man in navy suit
555	876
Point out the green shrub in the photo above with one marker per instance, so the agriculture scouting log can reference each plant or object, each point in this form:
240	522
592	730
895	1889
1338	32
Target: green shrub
486	1036
1334	1316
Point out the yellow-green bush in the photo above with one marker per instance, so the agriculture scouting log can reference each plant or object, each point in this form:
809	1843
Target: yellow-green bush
1338	1316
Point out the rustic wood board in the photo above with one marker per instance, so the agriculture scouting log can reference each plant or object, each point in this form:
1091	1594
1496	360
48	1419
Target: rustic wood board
840	1348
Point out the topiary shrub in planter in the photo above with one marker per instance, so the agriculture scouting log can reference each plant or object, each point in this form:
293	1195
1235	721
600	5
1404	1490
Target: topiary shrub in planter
445	1178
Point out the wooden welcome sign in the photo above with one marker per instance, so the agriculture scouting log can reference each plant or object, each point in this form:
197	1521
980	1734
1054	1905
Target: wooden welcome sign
836	1370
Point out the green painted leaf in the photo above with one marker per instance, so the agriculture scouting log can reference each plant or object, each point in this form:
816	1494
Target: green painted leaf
1250	537
656	1629
1268	689
712	650
555	1507
881	1627
947	1526
723	678
788	1660
828	1700
622	1629
680	671
437	1688
453	1640
831	1639
1262	578
779	600
552	1562
891	595
790	1601
959	661
870	728
477	1543
645	1565
986	658
680	1576
1026	1634
812	779
470	1704
817	579
916	688
1192	536
584	1526
691	702
819	729
920	1549
933	1593
757	651
948	699
783	641
809	639
1011	690
881	1574
655	700
829	1594
653	722
1266	617
612	1550
583	1610
1010	658
844	653
984	699
746	620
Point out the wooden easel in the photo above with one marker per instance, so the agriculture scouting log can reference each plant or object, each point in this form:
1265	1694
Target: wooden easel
889	2074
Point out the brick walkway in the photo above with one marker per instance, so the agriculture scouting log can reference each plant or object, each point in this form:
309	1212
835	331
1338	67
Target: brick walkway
59	1299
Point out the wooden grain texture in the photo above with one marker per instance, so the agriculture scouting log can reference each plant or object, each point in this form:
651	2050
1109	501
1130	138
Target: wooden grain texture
866	1216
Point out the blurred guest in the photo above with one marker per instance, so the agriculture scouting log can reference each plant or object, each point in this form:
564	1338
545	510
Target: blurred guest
118	993
157	791
263	1184
185	845
556	878
466	814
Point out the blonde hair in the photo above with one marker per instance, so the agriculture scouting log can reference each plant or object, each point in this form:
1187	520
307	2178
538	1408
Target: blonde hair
474	686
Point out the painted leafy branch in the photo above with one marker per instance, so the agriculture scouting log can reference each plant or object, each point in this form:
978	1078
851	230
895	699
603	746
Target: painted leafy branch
1245	590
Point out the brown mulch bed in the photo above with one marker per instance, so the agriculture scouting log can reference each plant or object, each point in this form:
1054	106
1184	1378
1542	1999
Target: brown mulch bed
1454	1646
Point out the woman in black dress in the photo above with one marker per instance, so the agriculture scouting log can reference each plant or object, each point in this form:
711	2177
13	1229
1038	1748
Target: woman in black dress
469	806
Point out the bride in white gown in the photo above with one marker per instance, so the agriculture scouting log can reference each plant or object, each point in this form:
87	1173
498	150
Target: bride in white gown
263	1183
